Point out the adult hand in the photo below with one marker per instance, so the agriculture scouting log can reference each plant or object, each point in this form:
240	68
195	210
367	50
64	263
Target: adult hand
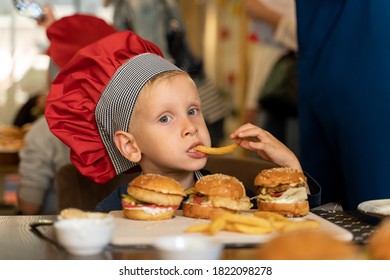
255	9
48	17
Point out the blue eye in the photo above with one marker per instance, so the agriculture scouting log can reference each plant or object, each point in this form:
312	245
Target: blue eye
193	112
165	119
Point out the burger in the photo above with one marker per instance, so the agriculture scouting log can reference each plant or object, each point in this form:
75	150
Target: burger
378	246
11	132
282	190
309	244
11	138
152	197
215	194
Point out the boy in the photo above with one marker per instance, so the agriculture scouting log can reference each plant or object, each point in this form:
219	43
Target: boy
118	104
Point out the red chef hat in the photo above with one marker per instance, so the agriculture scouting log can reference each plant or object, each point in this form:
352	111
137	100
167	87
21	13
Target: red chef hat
94	96
69	34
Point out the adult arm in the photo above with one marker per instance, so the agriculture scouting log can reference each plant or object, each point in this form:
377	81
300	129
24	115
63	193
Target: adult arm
40	158
285	29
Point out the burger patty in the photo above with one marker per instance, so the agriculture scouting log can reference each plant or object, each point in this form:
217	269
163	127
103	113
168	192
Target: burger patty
279	188
242	204
224	202
153	197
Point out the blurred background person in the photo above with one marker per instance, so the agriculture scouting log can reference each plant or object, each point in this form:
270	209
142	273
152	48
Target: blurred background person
272	33
31	110
344	97
43	153
152	20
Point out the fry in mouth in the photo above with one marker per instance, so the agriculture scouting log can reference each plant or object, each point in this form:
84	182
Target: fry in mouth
216	151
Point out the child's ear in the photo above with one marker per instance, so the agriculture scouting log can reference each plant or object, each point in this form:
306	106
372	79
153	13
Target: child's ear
126	144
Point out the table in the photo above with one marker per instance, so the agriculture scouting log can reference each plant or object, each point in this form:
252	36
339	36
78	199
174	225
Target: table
18	242
8	165
9	158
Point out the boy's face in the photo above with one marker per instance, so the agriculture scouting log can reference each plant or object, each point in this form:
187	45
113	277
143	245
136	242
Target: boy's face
168	124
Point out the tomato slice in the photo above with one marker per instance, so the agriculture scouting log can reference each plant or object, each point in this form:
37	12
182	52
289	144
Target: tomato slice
197	199
131	205
278	194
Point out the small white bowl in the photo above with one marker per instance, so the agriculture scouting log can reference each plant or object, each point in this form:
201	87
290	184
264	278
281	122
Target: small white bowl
87	236
187	247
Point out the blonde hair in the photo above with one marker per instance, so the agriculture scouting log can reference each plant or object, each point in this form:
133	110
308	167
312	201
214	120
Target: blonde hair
146	90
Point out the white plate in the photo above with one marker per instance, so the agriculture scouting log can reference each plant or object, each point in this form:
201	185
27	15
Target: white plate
379	207
133	232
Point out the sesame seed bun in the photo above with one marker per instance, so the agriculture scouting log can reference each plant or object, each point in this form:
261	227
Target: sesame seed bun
220	185
297	209
378	247
200	211
158	183
312	244
146	215
274	177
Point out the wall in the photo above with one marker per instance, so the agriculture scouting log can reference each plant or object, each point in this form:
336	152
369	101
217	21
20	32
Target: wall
216	30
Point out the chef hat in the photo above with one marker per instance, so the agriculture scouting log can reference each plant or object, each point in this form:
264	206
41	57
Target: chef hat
69	34
94	96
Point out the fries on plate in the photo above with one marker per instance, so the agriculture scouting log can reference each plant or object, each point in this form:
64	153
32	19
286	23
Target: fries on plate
259	223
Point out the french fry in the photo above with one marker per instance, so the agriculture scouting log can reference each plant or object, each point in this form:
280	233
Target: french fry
246	220
253	229
271	216
216	151
300	225
260	223
279	225
230	227
198	228
217	225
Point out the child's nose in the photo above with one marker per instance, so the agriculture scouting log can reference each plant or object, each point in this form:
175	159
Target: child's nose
189	127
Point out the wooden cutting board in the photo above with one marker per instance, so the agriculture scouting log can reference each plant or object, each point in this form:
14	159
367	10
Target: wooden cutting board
132	232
